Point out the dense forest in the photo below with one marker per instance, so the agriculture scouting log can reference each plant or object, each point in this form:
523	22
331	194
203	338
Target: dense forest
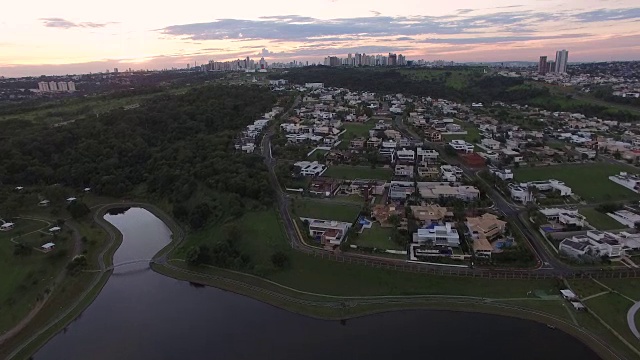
175	148
485	89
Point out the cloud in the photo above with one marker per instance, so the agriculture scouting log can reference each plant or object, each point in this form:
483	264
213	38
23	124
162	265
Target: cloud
498	39
264	52
66	24
297	28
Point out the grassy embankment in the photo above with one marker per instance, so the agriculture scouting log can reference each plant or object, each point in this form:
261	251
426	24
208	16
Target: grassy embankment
597	189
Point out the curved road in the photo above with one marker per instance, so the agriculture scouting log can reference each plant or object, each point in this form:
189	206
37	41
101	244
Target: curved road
631	319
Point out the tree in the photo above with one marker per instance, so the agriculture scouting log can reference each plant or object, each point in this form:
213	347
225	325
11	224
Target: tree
78	209
20	249
192	256
280	260
617	155
394	220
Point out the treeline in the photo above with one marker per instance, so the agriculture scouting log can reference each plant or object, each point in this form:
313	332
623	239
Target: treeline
174	148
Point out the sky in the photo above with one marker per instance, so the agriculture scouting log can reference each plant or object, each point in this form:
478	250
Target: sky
42	37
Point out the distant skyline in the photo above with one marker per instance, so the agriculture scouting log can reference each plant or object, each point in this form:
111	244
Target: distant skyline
45	37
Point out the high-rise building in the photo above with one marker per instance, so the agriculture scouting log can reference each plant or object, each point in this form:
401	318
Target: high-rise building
115	70
542	65
393	60
53	86
562	58
71	86
62	86
43	86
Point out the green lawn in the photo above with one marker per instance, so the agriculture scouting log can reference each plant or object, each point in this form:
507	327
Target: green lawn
358	172
326	209
590	181
585	287
599	220
355	130
627	287
377	237
612	308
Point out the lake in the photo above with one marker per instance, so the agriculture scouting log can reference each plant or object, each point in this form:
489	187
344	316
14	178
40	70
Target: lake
141	314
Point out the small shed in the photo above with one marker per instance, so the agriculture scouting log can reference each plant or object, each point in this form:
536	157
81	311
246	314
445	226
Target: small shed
578	306
87	189
71	199
55	229
7	226
48	247
568	294
44	203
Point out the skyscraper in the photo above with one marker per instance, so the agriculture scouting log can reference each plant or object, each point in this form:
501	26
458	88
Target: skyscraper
43	86
71	86
393	60
562	57
53	86
542	65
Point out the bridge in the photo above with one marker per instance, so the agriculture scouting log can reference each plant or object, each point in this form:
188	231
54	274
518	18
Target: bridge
130	262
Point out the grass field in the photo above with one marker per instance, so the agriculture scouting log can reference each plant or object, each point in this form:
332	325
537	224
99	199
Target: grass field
613	308
326	210
358	172
590	181
377	237
599	220
25	278
355	130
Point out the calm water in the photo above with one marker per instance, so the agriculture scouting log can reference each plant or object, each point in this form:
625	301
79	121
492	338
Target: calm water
143	315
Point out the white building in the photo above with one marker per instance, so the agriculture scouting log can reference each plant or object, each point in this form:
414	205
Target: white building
462	146
595	243
406	155
43	86
71	86
631	182
63	86
314	85
562	58
450	173
404	170
427	155
567	217
327	231
520	193
311	168
625	217
438	235
53	86
7	226
503	174
490	144
548	185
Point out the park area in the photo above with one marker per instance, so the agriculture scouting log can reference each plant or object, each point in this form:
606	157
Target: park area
348	172
472	135
590	181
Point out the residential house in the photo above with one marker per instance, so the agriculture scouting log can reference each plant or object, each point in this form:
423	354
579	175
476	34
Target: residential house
626	217
357	143
311	168
427	156
631	182
7	226
434	191
433	135
406	155
429	172
490	144
48	247
437	235
503	174
428	214
451	173
324	186
462	146
374	142
569	219
594	244
404	170
327	232
484	230
381	213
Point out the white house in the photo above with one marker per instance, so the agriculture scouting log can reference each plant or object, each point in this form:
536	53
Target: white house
626	217
490	144
404	170
438	235
327	231
551	184
314	85
503	174
450	173
595	243
311	168
427	155
520	193
631	182
462	146
406	155
566	217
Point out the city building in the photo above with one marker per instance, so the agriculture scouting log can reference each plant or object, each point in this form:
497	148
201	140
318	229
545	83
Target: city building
427	156
542	65
503	174
461	146
520	193
562	58
569	219
43	86
53	86
63	86
550	185
311	168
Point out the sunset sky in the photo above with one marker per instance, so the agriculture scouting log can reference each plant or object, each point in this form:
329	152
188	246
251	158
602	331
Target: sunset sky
73	36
